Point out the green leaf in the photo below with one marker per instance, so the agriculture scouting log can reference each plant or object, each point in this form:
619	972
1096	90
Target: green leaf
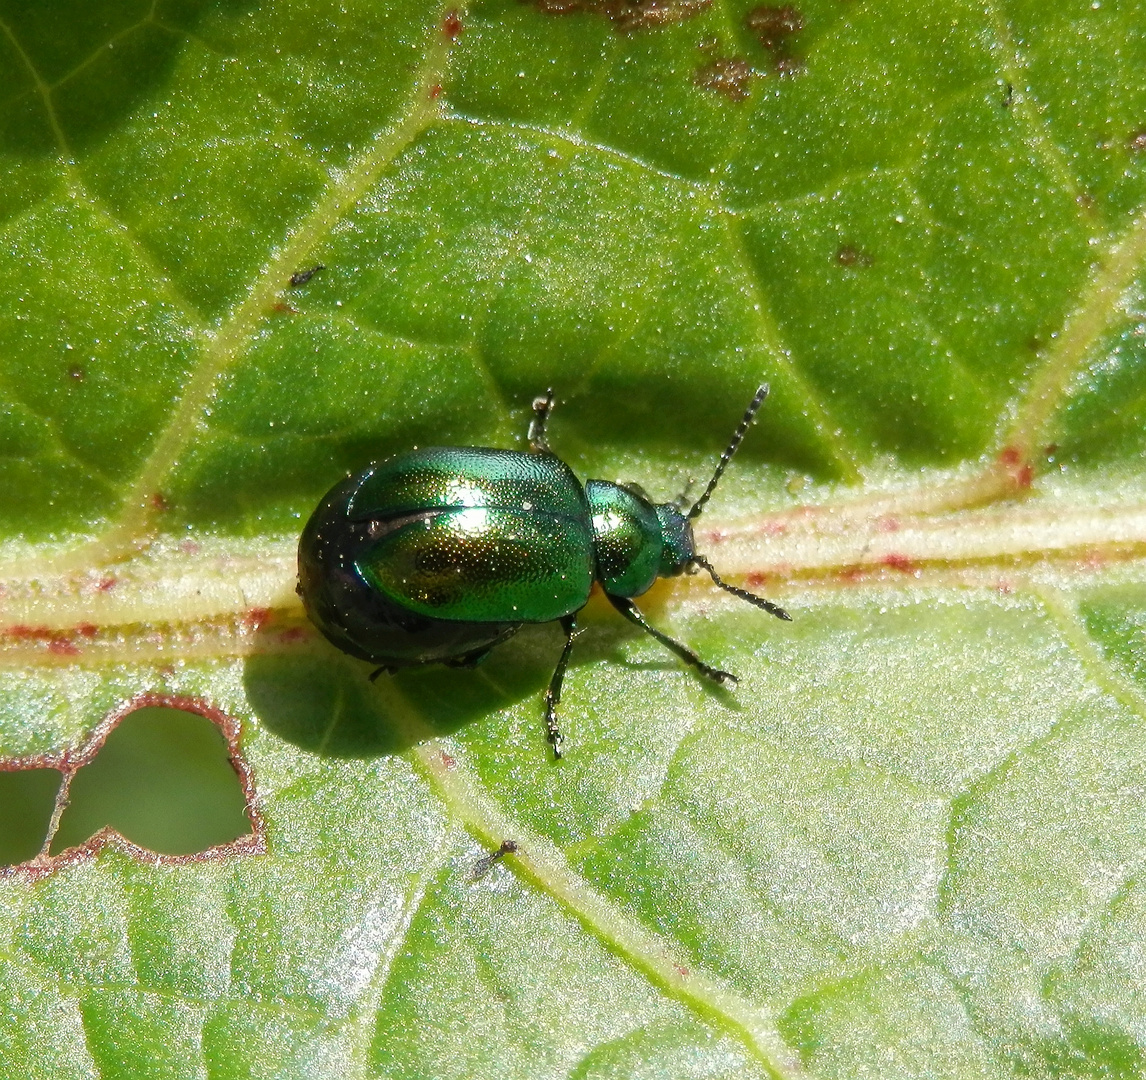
908	844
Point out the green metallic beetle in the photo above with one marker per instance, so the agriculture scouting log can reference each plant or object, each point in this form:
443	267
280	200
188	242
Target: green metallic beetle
438	555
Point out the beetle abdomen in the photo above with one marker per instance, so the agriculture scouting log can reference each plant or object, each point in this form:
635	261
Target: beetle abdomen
360	620
456	477
439	553
483	564
474	534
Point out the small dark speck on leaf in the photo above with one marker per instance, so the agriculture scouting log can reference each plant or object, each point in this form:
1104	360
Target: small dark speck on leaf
1138	141
1008	96
727	75
77	373
452	25
303	276
850	255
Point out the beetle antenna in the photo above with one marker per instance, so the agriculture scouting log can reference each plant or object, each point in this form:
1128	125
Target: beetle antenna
725	458
752	598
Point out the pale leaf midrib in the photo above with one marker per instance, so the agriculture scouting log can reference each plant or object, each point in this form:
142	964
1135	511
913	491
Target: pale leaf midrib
1116	269
180	583
543	866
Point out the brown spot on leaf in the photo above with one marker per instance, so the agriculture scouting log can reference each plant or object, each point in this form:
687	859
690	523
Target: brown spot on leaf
789	65
77	373
452	25
256	618
63	646
628	15
1138	141
56	642
1021	472
69	762
727	75
898	561
774	25
850	255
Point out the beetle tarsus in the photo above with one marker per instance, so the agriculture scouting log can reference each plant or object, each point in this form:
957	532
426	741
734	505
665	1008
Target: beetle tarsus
542	407
631	612
553	694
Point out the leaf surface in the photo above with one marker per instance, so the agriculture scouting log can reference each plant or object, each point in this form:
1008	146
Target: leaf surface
907	844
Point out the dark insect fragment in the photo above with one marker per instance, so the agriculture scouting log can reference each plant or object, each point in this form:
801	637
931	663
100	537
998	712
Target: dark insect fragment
303	276
485	864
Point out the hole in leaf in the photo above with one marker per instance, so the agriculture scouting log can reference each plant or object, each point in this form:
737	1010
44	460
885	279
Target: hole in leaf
27	798
163	780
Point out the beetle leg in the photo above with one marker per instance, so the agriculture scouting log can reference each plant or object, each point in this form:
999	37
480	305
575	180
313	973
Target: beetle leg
553	694
383	670
542	407
631	612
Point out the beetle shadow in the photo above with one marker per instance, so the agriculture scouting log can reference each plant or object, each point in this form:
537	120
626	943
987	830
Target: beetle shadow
608	640
319	699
